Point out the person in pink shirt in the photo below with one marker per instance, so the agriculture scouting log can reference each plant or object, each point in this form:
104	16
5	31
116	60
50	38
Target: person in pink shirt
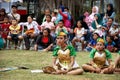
95	10
47	23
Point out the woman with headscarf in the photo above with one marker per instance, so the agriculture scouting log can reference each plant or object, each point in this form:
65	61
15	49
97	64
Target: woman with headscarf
95	10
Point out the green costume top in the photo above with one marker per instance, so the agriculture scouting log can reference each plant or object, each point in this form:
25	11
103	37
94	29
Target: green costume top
64	57
100	59
71	48
108	54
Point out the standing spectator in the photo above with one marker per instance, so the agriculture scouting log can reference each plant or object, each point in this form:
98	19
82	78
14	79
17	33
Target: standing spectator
44	41
32	31
14	14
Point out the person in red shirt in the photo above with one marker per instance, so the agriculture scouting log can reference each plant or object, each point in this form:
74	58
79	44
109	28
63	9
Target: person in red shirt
5	29
45	41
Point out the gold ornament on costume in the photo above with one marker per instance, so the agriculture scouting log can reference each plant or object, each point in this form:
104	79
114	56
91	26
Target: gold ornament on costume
64	59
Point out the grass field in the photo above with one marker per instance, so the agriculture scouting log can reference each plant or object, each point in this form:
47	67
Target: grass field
36	60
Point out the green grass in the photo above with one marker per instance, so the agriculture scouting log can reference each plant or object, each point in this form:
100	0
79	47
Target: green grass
36	60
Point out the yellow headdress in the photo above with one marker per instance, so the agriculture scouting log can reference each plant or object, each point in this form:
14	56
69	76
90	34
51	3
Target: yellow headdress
61	34
100	40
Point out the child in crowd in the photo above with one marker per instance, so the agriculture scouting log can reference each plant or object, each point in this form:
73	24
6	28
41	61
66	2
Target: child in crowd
5	29
64	58
92	42
79	34
110	44
101	59
114	32
117	64
47	23
61	27
46	12
15	32
54	16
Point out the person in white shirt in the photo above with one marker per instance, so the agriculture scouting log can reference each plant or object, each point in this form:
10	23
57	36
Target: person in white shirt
79	35
14	14
114	30
31	32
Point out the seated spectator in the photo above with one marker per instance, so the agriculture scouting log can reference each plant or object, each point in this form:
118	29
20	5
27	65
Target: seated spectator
14	32
79	34
5	29
95	10
46	12
92	42
14	14
114	31
63	58
117	64
84	24
3	14
110	44
31	32
86	14
61	27
54	17
47	23
1	40
101	60
110	13
1	43
45	41
98	21
109	24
